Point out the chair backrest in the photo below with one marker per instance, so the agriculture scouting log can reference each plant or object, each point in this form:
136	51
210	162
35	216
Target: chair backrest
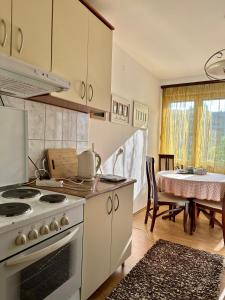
152	186
166	162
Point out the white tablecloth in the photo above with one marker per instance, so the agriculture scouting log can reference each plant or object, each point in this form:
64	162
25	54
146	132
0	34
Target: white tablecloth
209	187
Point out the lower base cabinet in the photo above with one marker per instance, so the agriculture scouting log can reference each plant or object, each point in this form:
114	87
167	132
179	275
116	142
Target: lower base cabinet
107	236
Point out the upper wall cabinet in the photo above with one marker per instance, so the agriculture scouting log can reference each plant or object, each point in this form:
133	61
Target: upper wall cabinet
69	44
99	64
5	26
31	31
82	53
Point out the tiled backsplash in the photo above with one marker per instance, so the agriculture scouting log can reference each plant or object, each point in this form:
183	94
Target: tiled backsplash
51	127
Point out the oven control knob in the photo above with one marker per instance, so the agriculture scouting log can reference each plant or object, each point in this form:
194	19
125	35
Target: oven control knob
21	239
64	221
33	234
54	225
44	230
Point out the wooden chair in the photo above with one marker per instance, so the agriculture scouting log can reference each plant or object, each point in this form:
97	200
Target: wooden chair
157	199
166	160
209	210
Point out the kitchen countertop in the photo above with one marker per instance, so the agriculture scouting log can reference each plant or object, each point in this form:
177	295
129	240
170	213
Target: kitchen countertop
88	189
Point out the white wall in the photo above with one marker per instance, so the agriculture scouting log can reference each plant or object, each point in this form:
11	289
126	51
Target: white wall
184	80
131	81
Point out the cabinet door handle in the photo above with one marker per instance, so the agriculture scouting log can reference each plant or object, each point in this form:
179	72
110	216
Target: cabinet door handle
19	48
3	23
118	202
111	205
83	87
92	92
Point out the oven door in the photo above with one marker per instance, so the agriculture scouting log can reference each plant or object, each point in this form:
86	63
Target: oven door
50	270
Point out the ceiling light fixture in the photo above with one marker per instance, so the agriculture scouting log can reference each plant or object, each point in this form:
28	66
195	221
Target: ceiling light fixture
215	66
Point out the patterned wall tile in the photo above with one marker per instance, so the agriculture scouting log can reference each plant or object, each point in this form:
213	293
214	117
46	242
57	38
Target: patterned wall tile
69	125
36	119
13	102
36	153
82	146
53	131
51	127
82	126
69	144
53	144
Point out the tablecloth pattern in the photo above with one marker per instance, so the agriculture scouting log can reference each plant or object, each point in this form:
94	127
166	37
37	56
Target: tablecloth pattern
205	187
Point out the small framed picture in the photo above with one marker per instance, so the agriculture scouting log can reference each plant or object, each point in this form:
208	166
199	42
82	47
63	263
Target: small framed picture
120	110
140	115
115	107
125	110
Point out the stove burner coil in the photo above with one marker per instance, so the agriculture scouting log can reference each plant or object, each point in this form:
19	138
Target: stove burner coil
14	209
53	198
21	193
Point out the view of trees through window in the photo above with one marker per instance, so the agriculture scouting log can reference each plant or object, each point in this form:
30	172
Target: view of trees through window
205	132
181	129
214	130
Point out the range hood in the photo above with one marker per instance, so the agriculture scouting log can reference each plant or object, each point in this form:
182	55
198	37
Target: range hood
21	80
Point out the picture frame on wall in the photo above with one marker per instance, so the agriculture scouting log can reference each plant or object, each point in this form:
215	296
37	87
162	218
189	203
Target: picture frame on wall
125	110
120	110
115	107
140	115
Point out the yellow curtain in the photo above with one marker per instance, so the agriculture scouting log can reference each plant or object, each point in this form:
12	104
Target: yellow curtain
193	125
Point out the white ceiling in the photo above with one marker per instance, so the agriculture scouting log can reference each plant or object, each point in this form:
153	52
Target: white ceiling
171	38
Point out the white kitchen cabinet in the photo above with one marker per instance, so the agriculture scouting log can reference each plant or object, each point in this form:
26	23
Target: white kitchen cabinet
107	236
96	243
121	226
69	44
99	64
5	26
82	53
31	31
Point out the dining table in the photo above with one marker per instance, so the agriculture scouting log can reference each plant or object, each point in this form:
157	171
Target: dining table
210	186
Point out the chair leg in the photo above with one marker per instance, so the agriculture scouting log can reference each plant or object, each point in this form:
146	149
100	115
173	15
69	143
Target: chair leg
186	212
170	214
147	211
192	208
211	222
198	212
193	217
174	216
153	218
223	222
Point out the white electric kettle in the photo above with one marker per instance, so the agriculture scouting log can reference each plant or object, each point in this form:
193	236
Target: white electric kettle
88	164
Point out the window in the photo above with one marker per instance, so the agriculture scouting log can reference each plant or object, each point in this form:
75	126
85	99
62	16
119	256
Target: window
193	126
213	132
181	116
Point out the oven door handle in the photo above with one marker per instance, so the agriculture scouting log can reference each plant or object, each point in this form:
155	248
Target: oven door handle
43	252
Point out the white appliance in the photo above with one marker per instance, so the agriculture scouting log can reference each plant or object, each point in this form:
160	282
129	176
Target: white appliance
40	249
21	80
13	146
40	231
89	163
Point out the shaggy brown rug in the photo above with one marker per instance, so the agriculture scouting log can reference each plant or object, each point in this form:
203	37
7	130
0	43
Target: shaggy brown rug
171	271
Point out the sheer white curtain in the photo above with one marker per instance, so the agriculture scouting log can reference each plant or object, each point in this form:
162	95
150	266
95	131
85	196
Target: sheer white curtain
193	125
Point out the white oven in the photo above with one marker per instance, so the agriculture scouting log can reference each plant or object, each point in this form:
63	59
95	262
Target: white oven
50	270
